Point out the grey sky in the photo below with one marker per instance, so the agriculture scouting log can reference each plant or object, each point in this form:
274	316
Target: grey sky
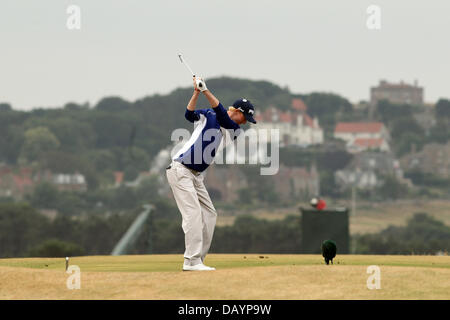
129	48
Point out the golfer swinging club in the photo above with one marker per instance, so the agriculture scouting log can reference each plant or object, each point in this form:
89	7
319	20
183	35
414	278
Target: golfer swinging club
185	173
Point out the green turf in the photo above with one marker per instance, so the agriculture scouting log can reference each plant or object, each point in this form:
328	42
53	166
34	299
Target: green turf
162	263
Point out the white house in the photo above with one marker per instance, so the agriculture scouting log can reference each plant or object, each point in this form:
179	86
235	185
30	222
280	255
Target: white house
71	182
295	126
362	179
362	136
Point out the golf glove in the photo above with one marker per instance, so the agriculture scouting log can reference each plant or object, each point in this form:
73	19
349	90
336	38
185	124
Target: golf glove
200	84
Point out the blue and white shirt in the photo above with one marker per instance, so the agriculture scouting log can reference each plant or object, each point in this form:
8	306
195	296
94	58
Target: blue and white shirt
199	151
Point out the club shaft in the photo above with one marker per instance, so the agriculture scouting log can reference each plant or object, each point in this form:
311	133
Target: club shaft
185	63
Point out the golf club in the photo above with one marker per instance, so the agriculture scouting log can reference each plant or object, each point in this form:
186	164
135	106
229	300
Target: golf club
199	83
185	63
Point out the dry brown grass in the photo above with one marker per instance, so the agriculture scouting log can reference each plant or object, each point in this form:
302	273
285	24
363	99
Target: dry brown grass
304	278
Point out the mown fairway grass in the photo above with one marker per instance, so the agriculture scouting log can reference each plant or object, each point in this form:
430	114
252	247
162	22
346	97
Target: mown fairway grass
238	276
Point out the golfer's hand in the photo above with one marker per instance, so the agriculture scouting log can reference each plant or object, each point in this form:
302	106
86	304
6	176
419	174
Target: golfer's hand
200	84
194	80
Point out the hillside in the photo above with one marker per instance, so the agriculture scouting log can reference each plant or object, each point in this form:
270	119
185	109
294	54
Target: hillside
119	135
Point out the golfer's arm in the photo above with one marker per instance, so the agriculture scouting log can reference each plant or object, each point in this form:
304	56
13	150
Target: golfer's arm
190	114
193	102
213	102
221	113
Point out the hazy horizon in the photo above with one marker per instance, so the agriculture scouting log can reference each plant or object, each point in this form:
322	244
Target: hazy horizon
129	49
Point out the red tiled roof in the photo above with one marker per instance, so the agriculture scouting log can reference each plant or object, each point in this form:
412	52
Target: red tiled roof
285	117
5	170
298	104
118	177
368	143
22	182
289	117
308	121
358	127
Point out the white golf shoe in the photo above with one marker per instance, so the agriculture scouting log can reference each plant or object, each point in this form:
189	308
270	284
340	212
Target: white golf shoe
197	267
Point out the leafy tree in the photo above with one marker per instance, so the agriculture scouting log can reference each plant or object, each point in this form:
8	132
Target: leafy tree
251	235
111	129
147	191
5	107
423	234
328	186
442	109
260	189
322	104
164	209
71	203
66	229
45	195
11	140
328	108
130	173
69	163
387	112
440	133
104	160
406	133
21	226
392	188
136	158
296	157
261	93
100	234
113	104
125	198
405	125
166	235
426	179
74	136
76	107
405	143
38	141
54	248
333	160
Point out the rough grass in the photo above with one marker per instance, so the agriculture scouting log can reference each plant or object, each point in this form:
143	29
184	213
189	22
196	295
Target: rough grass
369	217
237	277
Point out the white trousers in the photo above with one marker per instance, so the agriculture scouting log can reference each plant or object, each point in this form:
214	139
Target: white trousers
197	211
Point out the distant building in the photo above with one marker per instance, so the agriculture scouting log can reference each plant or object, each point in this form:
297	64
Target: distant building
367	169
363	144
118	178
399	93
434	158
363	136
426	119
295	125
361	179
289	183
69	182
224	182
15	183
381	163
296	183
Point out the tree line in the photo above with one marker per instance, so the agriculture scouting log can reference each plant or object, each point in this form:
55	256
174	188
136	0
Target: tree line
24	232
